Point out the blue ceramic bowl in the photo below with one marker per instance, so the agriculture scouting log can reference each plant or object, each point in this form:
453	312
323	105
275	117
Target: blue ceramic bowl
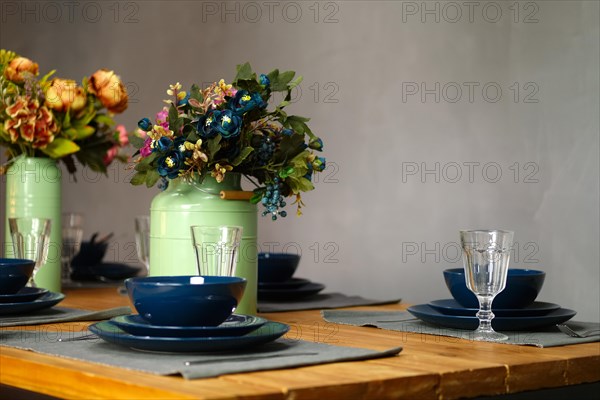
14	274
185	300
276	267
522	288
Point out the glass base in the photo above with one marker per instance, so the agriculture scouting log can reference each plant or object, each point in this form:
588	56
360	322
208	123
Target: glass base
489	336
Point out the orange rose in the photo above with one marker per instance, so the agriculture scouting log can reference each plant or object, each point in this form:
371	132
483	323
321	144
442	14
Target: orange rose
109	89
64	94
18	69
30	122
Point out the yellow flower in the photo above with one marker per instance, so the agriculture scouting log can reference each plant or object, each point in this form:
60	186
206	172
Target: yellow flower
64	94
109	89
18	68
219	171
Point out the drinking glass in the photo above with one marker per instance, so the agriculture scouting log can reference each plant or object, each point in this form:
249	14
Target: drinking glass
486	254
72	234
216	249
142	239
30	240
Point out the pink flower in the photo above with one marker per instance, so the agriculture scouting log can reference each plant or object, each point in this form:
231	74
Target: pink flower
110	155
162	118
123	137
146	149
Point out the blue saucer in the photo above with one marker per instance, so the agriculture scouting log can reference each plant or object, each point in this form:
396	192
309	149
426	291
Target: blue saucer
235	325
453	307
113	334
23	295
429	314
46	301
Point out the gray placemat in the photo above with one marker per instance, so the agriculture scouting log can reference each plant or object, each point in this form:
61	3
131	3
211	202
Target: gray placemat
61	314
320	302
405	322
283	353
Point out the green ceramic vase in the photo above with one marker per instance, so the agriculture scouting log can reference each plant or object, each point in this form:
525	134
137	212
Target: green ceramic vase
184	204
33	189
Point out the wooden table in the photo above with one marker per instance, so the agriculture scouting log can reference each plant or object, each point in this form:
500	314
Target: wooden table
430	367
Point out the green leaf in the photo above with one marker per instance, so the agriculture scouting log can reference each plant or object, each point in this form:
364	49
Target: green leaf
242	156
175	123
258	194
250	85
152	177
213	146
289	147
299	185
86	119
196	93
295	82
145	163
138	179
104	119
136	141
66	122
60	147
84	132
244	72
280	82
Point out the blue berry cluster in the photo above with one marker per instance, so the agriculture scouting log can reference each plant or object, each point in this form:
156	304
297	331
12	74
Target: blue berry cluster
265	151
273	200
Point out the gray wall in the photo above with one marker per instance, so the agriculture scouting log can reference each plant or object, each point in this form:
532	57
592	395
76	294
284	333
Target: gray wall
478	119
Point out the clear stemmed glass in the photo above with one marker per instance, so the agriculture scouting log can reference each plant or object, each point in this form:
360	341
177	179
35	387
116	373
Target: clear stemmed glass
142	239
216	249
72	234
30	240
486	254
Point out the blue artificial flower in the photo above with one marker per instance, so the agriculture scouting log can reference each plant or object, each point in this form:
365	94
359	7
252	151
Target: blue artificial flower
179	145
319	164
287	132
308	175
164	144
184	101
244	101
264	80
316	144
170	164
207	126
145	124
227	123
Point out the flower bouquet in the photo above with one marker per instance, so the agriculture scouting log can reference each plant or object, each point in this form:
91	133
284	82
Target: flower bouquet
58	119
227	128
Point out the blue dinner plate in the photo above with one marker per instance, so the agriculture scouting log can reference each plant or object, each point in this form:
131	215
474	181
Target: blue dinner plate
290	294
453	307
291	283
111	333
48	300
235	325
23	295
429	314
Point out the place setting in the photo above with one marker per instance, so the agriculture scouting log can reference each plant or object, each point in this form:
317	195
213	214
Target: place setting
490	302
280	290
192	323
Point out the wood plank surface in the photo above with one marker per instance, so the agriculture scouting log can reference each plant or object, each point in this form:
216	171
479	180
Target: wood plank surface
430	367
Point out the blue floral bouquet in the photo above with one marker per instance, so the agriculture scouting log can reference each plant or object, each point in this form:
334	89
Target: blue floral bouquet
227	128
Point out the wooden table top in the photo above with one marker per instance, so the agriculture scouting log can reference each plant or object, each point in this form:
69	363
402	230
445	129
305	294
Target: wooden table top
429	367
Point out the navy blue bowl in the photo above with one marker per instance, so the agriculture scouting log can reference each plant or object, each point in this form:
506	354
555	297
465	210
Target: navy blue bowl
14	274
276	267
522	288
181	301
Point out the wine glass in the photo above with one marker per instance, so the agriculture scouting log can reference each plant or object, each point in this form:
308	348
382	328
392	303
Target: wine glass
142	239
216	249
31	240
486	254
72	234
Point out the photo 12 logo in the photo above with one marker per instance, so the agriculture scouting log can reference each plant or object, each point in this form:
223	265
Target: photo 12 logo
126	12
451	252
471	92
453	12
469	171
253	12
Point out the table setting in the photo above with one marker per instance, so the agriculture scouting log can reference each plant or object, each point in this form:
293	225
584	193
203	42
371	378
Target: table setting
490	302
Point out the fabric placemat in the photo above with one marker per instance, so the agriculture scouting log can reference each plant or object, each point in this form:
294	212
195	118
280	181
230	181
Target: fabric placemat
61	314
283	353
402	321
320	302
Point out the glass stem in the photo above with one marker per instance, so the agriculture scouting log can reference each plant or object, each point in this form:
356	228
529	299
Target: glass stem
485	313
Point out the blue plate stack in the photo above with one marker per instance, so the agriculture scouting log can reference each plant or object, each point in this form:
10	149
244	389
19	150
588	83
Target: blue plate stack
276	281
515	308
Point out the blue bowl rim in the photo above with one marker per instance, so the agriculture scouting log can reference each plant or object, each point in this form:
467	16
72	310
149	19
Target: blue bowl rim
15	261
160	280
268	256
511	271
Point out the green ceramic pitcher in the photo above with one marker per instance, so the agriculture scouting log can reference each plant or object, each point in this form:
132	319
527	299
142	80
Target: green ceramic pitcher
184	204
